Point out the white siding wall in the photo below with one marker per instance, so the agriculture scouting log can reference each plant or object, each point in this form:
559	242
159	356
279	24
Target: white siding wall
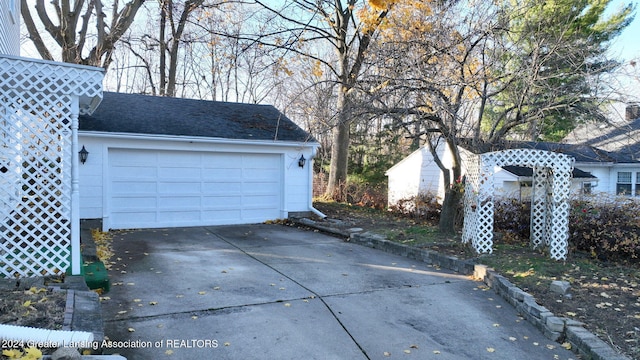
414	174
10	27
94	177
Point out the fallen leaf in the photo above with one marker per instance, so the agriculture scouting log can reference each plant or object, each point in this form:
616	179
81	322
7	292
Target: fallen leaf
137	300
437	352
194	317
571	313
287	304
227	344
386	353
131	329
169	352
496	325
122	312
26	303
566	345
153	303
490	349
216	288
414	346
202	292
551	347
407	351
512	338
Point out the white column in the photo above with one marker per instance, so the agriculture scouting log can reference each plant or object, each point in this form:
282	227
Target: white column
76	256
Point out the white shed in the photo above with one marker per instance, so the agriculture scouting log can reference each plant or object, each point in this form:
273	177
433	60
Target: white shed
167	162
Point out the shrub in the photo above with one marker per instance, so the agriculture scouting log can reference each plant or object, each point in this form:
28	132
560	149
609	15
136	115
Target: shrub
512	218
608	230
424	207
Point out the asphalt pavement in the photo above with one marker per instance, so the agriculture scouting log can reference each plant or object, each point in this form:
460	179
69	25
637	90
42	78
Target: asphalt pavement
277	292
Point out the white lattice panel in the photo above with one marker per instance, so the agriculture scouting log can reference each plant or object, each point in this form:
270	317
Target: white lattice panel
36	105
549	208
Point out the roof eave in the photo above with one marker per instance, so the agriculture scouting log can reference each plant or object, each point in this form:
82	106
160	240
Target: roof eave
198	139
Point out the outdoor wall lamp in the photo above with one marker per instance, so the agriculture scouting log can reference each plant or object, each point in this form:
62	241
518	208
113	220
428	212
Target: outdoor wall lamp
301	161
84	154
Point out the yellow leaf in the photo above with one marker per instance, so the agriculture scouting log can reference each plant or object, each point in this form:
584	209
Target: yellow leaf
490	349
566	345
169	352
202	292
32	353
27	303
571	313
12	354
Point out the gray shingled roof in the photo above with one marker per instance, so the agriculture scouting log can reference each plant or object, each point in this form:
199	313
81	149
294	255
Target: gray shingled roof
523	171
155	115
582	153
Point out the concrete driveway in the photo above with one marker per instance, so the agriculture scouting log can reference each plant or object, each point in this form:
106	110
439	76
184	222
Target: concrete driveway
276	292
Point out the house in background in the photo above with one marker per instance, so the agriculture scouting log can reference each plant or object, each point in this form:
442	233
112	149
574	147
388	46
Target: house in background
621	138
162	162
40	102
596	171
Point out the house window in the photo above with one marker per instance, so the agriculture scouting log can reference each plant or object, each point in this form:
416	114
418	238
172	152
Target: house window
637	189
586	187
623	186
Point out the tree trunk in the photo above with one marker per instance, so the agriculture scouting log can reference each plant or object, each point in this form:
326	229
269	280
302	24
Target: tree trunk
449	213
339	150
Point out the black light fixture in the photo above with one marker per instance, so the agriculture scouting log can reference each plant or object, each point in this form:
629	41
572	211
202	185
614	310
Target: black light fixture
84	154
301	161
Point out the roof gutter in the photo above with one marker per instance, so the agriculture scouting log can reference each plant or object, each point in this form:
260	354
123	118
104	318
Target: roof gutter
196	139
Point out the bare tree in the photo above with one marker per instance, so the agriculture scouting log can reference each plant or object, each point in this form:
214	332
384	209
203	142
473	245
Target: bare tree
69	26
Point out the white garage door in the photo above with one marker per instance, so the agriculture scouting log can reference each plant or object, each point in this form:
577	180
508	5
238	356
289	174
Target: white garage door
156	188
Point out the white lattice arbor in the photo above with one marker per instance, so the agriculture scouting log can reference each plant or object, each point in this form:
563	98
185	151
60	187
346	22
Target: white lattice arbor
39	217
549	203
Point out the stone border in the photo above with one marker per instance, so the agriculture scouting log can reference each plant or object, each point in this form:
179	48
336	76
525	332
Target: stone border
555	328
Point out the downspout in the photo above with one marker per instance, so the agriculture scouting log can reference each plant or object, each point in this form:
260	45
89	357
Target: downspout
310	172
57	338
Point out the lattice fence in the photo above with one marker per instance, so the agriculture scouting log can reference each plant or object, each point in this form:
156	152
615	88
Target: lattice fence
549	209
37	101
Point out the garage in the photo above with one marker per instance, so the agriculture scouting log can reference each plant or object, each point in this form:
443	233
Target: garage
155	188
156	162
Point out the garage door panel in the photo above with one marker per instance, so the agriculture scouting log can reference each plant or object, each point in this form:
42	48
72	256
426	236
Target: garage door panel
222	175
175	172
135	172
170	203
179	187
158	188
222	202
222	188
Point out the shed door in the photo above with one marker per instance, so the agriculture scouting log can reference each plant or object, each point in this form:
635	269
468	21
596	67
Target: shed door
160	188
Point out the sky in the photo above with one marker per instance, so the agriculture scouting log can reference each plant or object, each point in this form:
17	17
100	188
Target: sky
627	45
